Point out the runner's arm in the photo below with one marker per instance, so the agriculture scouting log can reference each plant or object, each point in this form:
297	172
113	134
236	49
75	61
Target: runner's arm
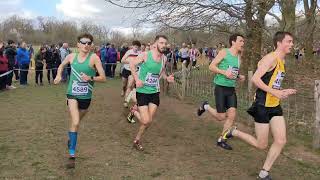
265	64
99	68
214	64
134	62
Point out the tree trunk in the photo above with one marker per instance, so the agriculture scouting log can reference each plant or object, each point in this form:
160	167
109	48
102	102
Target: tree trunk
310	13
254	32
288	9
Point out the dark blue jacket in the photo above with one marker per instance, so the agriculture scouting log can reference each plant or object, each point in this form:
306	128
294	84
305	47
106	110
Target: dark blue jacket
23	56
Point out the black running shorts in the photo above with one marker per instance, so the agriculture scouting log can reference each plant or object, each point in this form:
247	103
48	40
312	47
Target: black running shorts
262	114
225	98
125	73
187	61
83	104
145	99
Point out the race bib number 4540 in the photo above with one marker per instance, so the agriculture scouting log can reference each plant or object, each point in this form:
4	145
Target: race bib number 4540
80	88
152	80
278	81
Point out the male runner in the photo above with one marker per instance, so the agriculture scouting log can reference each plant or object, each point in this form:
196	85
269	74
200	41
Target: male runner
266	109
79	92
226	66
184	55
194	54
147	83
126	73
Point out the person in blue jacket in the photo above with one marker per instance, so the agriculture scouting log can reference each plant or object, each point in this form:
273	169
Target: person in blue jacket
23	59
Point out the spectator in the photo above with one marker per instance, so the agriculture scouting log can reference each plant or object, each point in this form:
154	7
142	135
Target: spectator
64	52
170	60
56	59
112	60
211	53
3	68
103	56
11	53
31	52
147	48
23	58
200	51
50	63
124	48
39	61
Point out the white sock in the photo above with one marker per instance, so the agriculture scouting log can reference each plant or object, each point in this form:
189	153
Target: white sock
206	107
263	173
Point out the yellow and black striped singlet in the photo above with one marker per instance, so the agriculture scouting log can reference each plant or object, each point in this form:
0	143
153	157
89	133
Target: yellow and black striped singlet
273	79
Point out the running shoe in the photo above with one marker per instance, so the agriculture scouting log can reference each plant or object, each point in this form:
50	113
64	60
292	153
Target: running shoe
228	133
130	118
201	109
125	104
265	178
224	145
71	164
137	145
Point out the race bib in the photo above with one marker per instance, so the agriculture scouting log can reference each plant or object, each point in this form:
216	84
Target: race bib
279	78
152	80
234	71
80	88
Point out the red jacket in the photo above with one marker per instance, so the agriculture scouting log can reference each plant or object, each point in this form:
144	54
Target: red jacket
3	64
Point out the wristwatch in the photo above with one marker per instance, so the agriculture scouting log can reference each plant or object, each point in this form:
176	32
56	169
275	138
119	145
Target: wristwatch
91	78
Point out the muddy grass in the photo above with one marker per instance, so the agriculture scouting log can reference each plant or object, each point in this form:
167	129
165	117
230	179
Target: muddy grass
179	145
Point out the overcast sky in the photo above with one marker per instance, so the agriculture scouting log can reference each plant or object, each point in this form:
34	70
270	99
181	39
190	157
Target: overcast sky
98	11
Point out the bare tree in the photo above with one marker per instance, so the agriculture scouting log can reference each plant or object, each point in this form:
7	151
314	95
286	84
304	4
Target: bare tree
288	11
208	15
310	13
255	12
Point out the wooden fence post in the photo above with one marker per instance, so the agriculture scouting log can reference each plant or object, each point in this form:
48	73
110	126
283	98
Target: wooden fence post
250	74
184	82
316	134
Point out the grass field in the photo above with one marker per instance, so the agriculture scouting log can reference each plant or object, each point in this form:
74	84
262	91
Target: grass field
179	145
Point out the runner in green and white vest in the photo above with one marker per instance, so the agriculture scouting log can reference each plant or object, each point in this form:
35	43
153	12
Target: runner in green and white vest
147	84
84	65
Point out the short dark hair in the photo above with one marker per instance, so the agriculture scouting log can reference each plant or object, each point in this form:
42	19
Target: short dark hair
85	35
10	42
233	37
136	43
42	48
279	36
160	36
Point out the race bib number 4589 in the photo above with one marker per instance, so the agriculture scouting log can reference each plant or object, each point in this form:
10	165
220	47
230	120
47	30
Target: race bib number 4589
80	88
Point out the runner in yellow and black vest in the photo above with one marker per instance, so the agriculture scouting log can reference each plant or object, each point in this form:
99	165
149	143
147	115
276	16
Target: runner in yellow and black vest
79	92
266	109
